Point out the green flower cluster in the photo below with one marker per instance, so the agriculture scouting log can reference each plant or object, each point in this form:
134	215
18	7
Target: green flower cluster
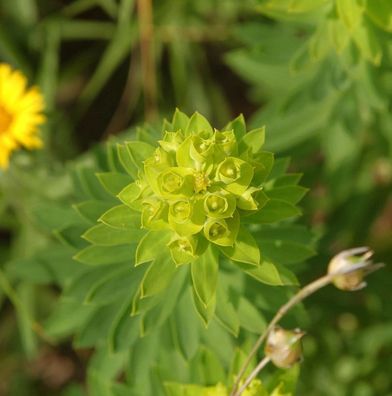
198	183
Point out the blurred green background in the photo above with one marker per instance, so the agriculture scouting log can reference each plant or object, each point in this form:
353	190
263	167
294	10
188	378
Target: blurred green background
317	73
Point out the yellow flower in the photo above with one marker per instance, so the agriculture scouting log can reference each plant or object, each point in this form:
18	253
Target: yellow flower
20	113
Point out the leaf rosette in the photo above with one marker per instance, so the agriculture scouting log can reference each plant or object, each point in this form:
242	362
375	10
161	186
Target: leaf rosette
194	200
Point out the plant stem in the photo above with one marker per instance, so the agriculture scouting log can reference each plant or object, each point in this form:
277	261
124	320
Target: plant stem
145	12
12	295
303	293
253	374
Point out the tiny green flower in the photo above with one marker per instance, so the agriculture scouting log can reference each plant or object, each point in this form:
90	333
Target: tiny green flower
222	232
183	249
219	204
236	174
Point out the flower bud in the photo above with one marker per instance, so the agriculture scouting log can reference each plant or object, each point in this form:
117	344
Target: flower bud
284	347
343	265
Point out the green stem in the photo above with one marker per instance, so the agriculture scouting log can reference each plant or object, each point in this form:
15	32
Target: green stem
12	295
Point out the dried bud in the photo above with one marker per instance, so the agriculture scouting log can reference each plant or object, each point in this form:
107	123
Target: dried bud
344	264
284	347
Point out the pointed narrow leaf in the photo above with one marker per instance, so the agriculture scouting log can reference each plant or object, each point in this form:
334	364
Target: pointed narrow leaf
198	123
245	249
104	235
114	182
274	210
158	276
254	139
99	255
121	217
151	245
127	161
206	313
205	275
225	312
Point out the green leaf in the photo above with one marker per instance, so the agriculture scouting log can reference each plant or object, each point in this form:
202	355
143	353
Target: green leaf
254	139
272	274
285	252
81	284
206	313
380	11
291	194
204	272
130	194
198	123
100	255
71	236
284	382
238	126
368	43
245	249
151	245
104	235
117	284
121	217
263	163
186	327
274	210
225	312
52	216
125	330
158	315
127	161
139	152
92	210
119	46
250	318
180	121
87	181
68	317
98	326
158	276
288	179
114	182
350	12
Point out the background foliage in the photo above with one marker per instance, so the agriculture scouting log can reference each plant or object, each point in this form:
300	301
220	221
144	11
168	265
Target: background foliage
317	73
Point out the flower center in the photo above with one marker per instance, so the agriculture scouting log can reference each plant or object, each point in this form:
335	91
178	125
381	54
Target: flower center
5	119
172	182
217	230
182	210
201	182
216	203
229	170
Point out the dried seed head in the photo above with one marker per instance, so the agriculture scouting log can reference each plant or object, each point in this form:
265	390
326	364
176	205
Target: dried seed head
350	267
284	347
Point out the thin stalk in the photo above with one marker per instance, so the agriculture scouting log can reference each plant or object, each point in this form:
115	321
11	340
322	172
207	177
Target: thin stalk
145	14
12	295
254	373
297	298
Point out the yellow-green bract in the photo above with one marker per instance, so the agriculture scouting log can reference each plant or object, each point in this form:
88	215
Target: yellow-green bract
197	184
